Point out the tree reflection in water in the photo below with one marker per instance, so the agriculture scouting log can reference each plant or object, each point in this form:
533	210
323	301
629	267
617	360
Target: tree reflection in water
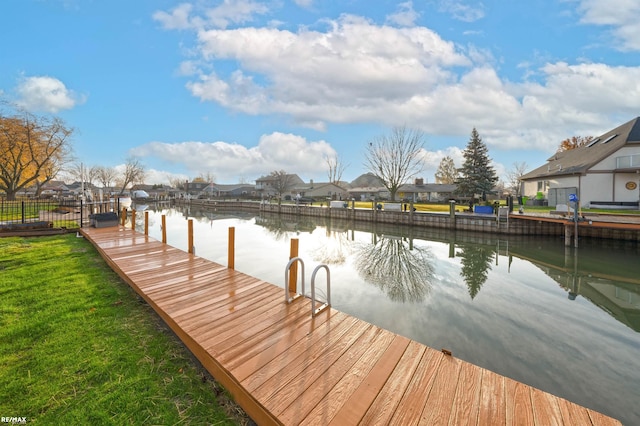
475	263
333	250
403	272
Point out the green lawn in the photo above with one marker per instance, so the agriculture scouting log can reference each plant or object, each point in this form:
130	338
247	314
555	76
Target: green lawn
79	347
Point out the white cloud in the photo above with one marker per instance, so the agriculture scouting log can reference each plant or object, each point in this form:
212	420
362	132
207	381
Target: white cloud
228	12
463	11
621	15
406	16
178	19
355	71
157	177
235	12
431	160
45	94
304	3
346	74
230	161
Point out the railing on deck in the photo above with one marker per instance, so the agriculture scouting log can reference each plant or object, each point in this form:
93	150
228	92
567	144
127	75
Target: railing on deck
51	213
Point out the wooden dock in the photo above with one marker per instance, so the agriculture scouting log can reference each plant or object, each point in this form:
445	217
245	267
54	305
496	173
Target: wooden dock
284	366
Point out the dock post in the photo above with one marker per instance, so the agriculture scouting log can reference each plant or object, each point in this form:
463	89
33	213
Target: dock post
190	237
293	271
231	254
411	212
146	223
452	214
164	229
567	235
133	219
123	216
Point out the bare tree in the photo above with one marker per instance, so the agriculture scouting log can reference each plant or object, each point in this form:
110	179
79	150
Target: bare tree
281	181
33	150
336	168
106	176
447	171
207	177
176	182
395	158
513	176
82	173
133	173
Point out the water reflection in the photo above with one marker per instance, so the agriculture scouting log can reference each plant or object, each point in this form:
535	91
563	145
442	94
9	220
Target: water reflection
609	279
280	226
557	319
403	272
475	263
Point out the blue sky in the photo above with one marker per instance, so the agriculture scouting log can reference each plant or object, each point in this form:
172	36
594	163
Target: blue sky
239	88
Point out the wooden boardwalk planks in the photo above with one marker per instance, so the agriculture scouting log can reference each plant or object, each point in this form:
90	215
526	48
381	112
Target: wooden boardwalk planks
285	367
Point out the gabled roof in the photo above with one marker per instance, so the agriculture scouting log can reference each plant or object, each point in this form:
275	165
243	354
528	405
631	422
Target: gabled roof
579	160
230	187
367	180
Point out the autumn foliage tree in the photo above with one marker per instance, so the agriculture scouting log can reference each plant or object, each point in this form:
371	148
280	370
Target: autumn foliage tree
574	142
447	171
33	150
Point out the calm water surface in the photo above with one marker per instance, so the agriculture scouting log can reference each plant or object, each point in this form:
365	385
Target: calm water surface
566	321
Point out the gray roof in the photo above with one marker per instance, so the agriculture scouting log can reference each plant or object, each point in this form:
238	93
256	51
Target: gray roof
367	180
579	160
428	187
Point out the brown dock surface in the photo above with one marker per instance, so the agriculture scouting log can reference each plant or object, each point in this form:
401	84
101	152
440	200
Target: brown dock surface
284	366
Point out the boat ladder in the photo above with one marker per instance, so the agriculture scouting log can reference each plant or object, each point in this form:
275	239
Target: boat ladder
290	298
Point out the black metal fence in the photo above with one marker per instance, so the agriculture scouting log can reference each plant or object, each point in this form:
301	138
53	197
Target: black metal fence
51	213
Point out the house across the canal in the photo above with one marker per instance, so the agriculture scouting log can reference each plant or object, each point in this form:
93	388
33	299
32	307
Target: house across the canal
603	173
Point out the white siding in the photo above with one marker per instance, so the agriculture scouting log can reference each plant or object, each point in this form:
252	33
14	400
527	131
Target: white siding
622	193
596	187
609	163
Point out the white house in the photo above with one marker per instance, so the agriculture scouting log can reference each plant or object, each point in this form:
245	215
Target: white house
605	172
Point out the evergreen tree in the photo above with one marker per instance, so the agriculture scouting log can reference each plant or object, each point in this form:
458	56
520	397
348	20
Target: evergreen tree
477	176
447	171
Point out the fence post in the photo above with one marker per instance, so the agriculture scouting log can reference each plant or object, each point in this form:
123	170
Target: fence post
146	223
22	213
190	239
133	219
81	213
164	229
293	271
232	241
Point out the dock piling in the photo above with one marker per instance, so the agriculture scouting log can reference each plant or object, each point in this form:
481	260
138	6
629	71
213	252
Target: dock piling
231	252
293	271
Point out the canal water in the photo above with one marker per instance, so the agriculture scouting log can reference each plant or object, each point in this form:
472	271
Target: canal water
563	320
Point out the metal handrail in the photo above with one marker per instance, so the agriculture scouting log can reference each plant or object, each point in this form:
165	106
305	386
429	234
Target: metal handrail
315	311
287	298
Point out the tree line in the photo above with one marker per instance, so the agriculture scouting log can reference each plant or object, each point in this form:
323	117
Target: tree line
35	149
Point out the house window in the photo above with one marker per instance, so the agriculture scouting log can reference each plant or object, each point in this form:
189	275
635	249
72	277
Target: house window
628	161
541	185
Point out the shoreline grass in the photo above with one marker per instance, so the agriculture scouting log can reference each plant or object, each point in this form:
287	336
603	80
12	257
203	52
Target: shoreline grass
80	347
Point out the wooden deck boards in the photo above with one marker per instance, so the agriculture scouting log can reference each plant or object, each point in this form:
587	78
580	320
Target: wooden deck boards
284	366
